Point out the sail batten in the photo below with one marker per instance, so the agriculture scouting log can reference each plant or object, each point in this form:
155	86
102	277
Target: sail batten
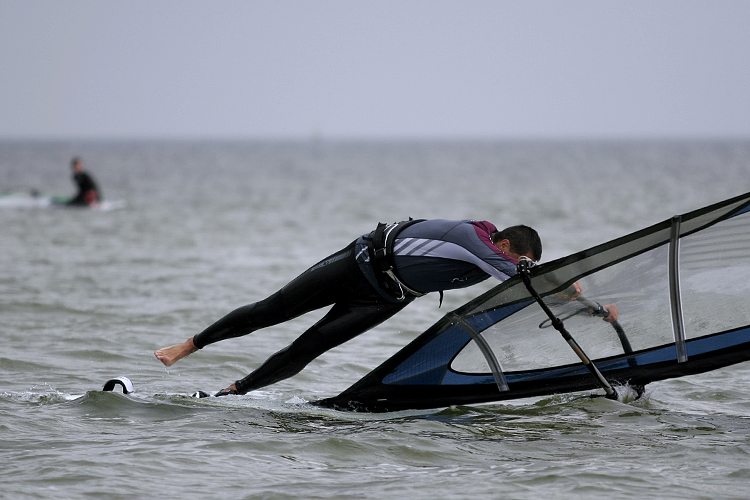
678	326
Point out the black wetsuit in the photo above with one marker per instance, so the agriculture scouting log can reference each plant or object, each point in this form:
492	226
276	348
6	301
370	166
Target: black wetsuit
455	253
88	191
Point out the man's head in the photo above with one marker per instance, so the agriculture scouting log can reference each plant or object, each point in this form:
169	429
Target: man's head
518	241
76	164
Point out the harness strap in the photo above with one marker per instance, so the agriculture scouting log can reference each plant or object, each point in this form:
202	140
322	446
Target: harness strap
380	244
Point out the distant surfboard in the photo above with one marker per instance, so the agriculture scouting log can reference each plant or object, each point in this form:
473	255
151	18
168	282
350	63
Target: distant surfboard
34	199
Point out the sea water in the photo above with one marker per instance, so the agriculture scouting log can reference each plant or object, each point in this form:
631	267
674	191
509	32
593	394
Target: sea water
200	228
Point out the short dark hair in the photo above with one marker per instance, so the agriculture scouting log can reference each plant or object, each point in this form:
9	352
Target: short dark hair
523	240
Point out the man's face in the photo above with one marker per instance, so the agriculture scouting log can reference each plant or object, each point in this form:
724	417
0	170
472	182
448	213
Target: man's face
504	246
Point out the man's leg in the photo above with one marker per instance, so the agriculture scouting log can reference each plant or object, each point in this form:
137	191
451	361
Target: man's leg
317	287
342	323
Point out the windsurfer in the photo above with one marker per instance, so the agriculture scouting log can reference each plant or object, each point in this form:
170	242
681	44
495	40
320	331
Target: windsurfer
367	282
88	192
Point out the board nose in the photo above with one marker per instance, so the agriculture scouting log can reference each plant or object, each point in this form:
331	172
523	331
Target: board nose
123	382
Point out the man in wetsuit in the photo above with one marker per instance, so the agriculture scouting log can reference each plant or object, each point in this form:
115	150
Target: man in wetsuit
367	282
88	192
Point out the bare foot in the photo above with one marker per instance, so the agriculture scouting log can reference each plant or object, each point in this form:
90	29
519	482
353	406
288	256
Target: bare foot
172	354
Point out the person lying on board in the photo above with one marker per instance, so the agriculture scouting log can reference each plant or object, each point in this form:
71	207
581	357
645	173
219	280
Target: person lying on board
367	282
88	192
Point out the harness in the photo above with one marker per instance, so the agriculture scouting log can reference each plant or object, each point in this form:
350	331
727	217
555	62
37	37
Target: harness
380	247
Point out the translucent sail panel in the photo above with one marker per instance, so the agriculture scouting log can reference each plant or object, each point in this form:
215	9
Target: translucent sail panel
715	277
526	340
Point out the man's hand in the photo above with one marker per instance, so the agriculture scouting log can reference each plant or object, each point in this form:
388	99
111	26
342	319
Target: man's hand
612	313
575	290
572	292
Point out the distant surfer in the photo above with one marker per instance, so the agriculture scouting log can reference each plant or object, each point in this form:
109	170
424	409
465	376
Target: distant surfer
367	282
88	192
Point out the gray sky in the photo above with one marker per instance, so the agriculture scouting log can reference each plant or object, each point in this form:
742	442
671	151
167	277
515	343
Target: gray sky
385	69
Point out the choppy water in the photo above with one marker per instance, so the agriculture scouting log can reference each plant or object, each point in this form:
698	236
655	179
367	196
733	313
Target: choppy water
87	295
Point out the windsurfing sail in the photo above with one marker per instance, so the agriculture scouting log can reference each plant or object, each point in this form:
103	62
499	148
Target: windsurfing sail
682	288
